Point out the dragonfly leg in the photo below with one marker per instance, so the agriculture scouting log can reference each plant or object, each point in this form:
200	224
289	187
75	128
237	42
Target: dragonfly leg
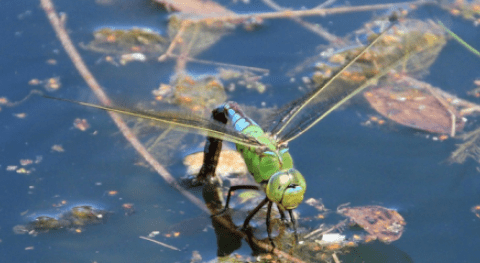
235	188
253	212
269	228
282	214
294	225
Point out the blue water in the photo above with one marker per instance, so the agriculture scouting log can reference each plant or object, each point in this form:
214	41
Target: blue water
342	160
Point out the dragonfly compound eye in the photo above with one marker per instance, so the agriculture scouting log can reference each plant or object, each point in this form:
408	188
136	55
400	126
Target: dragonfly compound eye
286	188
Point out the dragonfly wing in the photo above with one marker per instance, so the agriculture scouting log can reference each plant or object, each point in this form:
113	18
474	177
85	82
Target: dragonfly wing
301	114
179	121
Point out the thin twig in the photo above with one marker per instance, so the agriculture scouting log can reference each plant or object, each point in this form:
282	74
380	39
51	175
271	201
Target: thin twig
160	243
176	39
182	59
310	12
335	258
337	226
160	137
317	29
16	103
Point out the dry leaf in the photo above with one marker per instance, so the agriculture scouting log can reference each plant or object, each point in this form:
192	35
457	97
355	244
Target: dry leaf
381	223
413	108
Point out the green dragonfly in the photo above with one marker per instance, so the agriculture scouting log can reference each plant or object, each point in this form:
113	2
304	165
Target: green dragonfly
265	151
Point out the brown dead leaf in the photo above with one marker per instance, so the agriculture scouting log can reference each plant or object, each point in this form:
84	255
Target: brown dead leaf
413	108
381	223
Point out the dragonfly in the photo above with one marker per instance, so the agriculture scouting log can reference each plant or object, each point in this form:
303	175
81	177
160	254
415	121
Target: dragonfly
266	151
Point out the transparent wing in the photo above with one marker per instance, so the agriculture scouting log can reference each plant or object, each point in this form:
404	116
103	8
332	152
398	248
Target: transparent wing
180	121
300	115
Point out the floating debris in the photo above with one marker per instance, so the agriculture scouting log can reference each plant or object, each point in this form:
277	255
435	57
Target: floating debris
173	234
199	95
24	171
20	115
129	209
57	148
470	148
373	120
11	168
317	203
126	58
163	91
81	124
84	215
52	84
60	204
400	101
423	41
154	234
51	61
334	238
476	91
476	210
76	217
381	223
469	10
135	44
196	257
419	105
25	162
243	78
34	82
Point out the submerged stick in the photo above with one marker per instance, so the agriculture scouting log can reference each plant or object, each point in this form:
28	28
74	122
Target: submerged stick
309	12
160	243
317	29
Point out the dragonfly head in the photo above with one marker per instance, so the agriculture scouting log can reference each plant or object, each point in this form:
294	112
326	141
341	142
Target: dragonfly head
286	188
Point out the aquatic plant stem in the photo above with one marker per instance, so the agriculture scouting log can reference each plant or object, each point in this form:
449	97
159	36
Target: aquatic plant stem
459	40
72	52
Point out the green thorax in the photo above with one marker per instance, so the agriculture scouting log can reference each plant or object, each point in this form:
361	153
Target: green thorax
264	163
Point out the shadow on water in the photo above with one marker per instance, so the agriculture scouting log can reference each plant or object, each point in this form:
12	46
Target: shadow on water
376	252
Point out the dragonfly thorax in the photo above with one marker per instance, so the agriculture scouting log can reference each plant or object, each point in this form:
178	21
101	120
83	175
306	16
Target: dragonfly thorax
286	188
